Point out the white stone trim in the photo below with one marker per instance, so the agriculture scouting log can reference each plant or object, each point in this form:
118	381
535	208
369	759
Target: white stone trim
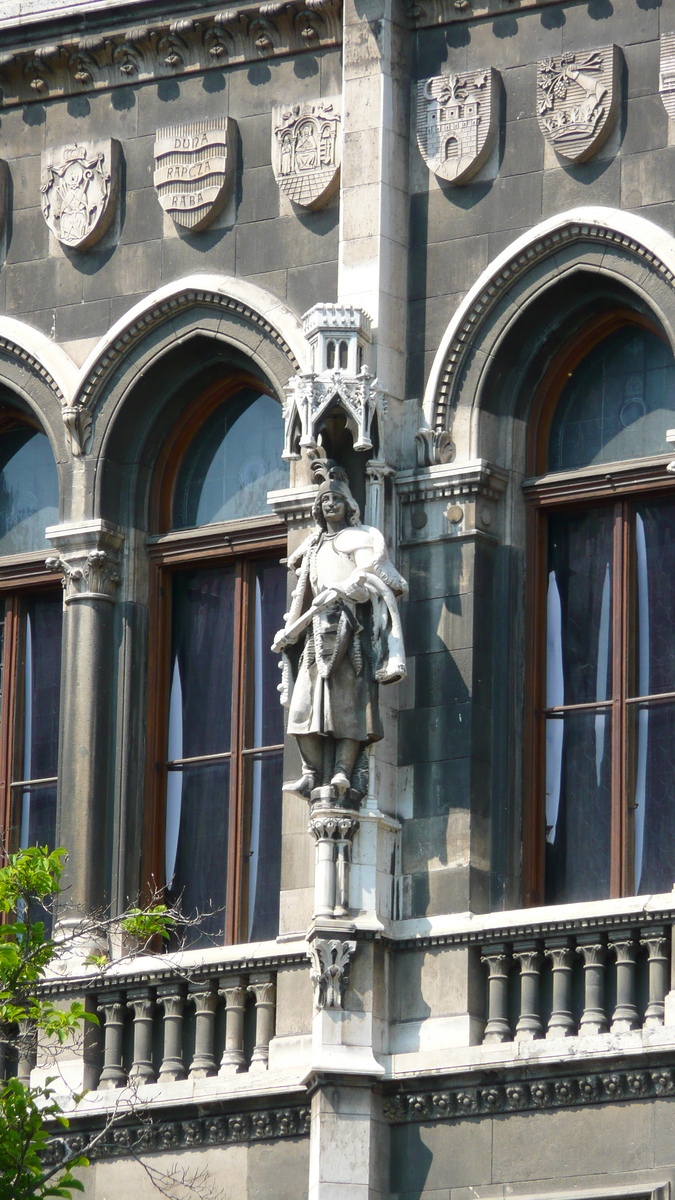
627	226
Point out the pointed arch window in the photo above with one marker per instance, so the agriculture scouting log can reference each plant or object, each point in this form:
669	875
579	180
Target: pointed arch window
601	821
215	765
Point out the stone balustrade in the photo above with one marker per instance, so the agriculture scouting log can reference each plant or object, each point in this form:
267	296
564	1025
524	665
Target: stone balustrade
583	982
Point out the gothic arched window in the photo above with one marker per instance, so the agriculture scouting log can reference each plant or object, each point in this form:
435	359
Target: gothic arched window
216	734
30	638
603	717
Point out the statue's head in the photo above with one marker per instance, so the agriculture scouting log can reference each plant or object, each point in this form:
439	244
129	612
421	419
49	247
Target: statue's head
333	481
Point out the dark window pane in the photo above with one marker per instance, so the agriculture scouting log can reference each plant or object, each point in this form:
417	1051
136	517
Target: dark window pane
38	816
200	715
265	774
579	606
41	685
197	813
269	601
29	490
618	403
578	807
655	595
232	463
653	730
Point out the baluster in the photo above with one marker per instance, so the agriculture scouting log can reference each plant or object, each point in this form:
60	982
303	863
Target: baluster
27	1050
264	989
233	990
171	997
529	1022
143	1003
113	1074
498	959
625	1015
205	999
594	1018
561	1022
656	941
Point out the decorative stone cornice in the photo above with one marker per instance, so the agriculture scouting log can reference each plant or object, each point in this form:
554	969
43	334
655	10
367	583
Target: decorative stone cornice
152	1133
453	1100
88	559
167	48
423	14
293	505
447	481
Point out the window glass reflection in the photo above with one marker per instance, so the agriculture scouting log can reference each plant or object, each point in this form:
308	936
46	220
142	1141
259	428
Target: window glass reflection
579	662
578	843
618	403
233	462
29	490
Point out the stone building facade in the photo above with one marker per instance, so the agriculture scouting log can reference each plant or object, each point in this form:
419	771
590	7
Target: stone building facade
230	244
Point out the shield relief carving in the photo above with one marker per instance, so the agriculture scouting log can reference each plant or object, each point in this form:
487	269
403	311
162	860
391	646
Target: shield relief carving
194	168
306	150
457	118
667	73
578	100
79	189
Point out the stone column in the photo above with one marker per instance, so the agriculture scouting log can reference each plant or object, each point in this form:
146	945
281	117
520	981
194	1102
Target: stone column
498	959
27	1051
529	1022
205	999
142	1001
323	830
233	990
171	997
593	1018
625	1015
87	555
113	1008
263	988
348	1144
656	942
561	1023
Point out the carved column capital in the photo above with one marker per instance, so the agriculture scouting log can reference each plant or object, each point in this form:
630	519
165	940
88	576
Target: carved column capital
88	557
330	966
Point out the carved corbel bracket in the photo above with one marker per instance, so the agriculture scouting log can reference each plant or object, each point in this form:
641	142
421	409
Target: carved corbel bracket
88	558
330	960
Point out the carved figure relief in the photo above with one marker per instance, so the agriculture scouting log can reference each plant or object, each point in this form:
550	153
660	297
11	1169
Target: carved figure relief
345	617
79	190
457	117
194	167
578	100
667	73
306	149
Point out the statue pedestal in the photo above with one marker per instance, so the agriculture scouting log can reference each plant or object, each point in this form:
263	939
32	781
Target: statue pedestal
333	826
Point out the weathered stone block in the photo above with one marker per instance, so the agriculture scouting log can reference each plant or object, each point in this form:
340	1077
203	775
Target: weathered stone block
426	1158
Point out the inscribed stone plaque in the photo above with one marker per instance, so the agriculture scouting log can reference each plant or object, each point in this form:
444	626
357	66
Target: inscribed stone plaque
79	189
194	167
306	149
578	100
457	119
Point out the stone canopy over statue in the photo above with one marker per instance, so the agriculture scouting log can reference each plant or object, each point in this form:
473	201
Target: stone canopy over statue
345	617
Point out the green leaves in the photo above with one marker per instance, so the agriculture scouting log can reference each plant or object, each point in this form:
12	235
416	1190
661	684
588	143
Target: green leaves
146	923
23	1139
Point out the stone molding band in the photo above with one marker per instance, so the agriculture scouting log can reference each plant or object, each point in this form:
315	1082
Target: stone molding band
133	1138
498	284
167	49
519	1095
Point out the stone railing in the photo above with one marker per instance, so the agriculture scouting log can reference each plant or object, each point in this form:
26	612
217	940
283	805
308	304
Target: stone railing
610	977
167	1019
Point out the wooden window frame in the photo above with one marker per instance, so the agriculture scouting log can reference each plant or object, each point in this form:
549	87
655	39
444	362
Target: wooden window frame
20	575
243	542
620	484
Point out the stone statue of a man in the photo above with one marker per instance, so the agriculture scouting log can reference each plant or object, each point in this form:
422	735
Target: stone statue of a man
344	611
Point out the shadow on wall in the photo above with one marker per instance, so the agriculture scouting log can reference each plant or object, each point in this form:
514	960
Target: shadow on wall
410	1162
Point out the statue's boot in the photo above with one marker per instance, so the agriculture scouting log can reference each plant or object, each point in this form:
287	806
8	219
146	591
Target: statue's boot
303	786
346	753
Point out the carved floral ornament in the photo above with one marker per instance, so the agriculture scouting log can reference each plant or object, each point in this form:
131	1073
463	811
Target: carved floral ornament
330	966
578	100
189	45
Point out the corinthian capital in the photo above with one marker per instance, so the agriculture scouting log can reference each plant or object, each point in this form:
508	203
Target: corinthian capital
88	558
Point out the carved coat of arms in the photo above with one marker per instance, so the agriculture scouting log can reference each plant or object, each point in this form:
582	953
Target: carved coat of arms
306	150
578	100
667	73
457	118
194	168
79	190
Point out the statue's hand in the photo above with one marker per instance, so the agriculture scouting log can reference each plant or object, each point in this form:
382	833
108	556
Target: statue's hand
355	588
